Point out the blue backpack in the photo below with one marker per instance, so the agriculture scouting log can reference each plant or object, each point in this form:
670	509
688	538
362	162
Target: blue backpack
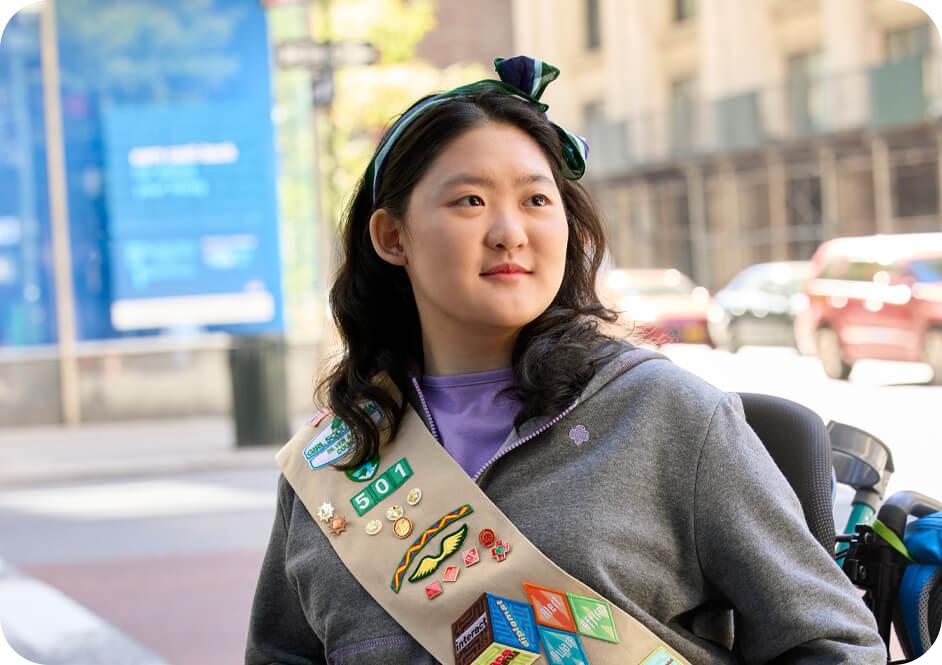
920	593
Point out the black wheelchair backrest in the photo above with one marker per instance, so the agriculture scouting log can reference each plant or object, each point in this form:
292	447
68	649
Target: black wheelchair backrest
798	442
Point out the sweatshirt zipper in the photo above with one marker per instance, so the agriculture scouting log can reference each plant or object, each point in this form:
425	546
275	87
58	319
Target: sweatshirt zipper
519	442
428	413
516	444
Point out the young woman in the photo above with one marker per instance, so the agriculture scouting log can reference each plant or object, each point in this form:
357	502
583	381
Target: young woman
470	257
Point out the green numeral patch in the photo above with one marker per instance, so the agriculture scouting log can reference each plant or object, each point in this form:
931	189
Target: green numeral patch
363	501
387	483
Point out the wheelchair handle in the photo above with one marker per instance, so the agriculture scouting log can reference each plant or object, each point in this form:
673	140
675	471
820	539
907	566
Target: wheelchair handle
896	510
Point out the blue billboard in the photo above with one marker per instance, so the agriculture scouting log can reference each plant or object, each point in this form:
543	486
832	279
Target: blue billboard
170	171
192	215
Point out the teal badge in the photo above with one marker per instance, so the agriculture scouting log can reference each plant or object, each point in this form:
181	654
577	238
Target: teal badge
562	647
365	472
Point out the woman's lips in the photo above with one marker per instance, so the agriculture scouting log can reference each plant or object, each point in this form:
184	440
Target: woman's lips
505	268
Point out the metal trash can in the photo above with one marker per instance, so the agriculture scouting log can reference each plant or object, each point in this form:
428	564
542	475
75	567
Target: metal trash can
259	390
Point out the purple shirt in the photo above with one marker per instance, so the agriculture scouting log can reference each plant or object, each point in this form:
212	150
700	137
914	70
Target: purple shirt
472	420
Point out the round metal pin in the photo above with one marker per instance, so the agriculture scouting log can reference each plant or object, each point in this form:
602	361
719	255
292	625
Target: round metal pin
414	496
373	527
394	512
487	537
403	527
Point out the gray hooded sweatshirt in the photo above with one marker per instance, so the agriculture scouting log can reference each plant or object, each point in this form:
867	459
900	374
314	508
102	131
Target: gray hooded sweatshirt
670	507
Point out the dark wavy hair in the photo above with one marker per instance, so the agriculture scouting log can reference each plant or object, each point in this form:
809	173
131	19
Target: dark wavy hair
374	308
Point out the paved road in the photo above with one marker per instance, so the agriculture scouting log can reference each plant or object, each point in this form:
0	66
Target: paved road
171	562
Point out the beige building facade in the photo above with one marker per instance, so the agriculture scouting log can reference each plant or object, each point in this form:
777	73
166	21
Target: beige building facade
731	132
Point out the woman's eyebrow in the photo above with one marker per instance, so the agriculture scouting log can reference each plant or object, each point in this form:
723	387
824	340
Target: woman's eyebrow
484	181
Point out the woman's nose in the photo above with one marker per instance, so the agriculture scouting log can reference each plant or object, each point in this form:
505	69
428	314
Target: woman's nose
507	232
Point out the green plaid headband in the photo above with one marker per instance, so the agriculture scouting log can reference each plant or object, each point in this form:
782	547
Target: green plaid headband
521	77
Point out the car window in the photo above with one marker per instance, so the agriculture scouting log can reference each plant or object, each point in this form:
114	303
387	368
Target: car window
927	270
836	268
748	277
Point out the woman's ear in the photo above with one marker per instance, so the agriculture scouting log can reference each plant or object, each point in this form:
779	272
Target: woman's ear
386	233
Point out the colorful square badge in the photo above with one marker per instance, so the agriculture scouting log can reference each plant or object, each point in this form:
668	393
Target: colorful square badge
496	629
562	647
550	607
593	617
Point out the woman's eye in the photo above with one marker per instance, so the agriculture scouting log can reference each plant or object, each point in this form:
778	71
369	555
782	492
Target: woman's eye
539	200
471	200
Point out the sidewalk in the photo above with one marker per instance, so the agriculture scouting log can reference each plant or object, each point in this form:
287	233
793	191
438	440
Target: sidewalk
32	455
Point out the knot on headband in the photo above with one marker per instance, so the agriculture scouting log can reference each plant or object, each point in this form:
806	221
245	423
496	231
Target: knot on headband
521	77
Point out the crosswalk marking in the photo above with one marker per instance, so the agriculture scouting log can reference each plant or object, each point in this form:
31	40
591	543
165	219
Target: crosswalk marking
148	498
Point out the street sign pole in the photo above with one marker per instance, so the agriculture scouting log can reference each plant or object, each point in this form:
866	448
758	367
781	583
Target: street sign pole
327	227
59	212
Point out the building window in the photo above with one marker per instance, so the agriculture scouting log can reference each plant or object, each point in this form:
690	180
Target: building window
683	114
915	189
593	28
907	42
803	86
684	10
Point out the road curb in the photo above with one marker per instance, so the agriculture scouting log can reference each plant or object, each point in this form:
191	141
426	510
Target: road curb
44	626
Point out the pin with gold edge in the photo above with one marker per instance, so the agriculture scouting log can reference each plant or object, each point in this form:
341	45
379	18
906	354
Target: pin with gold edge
403	527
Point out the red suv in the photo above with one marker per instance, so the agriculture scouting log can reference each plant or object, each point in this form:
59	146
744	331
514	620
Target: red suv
874	297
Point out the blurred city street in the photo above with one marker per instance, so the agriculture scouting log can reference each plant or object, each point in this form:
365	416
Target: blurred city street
166	558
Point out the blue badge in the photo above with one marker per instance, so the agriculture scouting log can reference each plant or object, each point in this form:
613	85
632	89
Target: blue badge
562	648
335	441
513	624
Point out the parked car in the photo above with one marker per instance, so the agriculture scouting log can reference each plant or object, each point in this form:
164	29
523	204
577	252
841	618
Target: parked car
876	297
665	305
759	305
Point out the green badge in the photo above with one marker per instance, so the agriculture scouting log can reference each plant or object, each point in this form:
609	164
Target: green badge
593	618
365	472
387	483
661	656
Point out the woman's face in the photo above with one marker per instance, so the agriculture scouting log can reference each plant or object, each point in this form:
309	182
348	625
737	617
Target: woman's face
485	233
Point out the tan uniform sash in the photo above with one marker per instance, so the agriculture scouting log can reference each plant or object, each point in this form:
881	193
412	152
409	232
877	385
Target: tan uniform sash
373	559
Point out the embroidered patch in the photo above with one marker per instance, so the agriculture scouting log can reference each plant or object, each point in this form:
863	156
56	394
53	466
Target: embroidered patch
393	478
562	648
449	545
363	501
421	541
486	537
593	618
365	472
550	607
451	574
394	512
579	434
660	656
335	441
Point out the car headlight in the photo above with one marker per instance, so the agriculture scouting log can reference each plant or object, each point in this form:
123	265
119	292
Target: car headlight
716	313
